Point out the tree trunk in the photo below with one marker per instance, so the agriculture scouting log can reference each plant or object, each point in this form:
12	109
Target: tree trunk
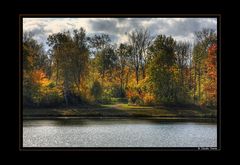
137	76
190	73
57	74
121	87
199	85
143	72
195	83
65	92
126	84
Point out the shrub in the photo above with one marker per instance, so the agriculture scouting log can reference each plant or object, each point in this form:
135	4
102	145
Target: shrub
134	97
148	99
96	90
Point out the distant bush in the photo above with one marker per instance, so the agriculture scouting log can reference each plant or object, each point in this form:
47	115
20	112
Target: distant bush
116	91
134	98
96	90
121	100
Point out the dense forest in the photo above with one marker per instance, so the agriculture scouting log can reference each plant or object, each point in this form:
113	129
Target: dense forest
78	69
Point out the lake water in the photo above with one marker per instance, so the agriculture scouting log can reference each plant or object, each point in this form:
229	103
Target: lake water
117	133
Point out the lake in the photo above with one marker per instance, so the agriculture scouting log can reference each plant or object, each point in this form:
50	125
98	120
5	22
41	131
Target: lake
117	133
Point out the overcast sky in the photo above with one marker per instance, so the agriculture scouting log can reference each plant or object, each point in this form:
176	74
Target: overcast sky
117	28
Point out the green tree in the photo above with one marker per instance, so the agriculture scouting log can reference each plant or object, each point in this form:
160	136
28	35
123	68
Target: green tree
105	61
96	90
70	59
161	68
99	42
183	62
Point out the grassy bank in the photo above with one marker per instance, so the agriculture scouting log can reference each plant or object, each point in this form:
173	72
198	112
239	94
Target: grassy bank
120	110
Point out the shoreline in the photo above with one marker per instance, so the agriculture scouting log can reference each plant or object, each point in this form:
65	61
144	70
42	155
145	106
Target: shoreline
159	118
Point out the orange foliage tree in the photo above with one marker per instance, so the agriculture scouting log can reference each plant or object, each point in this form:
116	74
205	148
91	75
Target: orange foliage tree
47	91
210	86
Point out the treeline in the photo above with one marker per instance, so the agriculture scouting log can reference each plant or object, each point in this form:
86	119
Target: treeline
79	69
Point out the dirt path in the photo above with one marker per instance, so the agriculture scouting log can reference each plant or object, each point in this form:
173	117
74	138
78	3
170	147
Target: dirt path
116	106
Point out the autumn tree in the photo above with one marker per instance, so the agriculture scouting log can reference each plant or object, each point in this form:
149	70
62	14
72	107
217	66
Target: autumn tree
139	41
34	60
204	39
80	57
210	84
123	53
161	68
81	69
70	57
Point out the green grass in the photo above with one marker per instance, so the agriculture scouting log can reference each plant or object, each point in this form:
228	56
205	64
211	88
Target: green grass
118	110
129	107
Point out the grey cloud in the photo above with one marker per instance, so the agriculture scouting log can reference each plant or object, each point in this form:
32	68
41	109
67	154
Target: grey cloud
40	33
121	20
110	26
114	38
176	28
117	27
39	29
184	27
135	23
157	26
192	25
103	25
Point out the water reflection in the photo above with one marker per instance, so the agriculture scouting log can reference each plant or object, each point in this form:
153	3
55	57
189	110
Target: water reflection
117	133
103	121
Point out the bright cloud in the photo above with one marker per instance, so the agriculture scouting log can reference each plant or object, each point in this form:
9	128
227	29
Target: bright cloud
181	29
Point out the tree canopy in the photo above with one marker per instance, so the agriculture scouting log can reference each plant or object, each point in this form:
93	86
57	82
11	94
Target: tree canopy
80	69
